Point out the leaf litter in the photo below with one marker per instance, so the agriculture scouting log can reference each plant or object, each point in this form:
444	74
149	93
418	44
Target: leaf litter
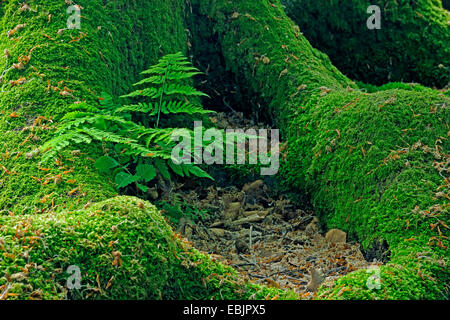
267	238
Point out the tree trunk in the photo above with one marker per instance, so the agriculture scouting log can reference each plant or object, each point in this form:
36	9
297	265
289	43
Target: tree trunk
65	216
411	44
374	164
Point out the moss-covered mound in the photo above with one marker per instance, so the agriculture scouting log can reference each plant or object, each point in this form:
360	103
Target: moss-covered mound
376	168
411	46
124	249
376	165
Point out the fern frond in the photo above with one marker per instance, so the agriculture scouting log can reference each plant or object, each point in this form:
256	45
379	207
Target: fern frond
167	61
184	107
106	136
147	92
158	79
111	124
74	123
138	149
183	90
76	115
58	143
83	107
156	135
140	107
106	101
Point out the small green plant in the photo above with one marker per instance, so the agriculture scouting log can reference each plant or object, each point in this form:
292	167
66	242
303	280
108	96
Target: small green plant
135	152
177	207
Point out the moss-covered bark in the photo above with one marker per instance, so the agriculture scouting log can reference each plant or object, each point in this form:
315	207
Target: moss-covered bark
50	218
411	46
374	164
115	42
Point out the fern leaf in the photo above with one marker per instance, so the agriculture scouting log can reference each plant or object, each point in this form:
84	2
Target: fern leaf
147	92
140	107
186	107
105	136
183	90
83	107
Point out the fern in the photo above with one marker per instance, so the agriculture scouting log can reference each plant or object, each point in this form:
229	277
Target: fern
142	149
166	79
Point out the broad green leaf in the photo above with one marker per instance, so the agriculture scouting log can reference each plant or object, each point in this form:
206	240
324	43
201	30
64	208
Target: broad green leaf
105	163
146	172
162	168
124	179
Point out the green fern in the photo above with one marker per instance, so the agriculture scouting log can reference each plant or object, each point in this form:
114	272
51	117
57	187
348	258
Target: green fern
166	82
136	148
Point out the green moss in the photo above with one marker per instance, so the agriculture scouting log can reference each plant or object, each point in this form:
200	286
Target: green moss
370	162
43	226
116	41
411	46
387	187
124	249
371	171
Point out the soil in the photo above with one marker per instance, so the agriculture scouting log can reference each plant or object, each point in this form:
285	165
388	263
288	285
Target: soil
264	235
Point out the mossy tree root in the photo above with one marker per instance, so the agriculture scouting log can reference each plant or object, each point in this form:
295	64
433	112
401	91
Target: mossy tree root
374	164
64	213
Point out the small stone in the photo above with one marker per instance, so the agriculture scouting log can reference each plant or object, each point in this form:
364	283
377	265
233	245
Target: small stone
336	236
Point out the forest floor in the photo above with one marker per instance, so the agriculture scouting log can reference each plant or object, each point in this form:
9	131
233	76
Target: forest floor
268	238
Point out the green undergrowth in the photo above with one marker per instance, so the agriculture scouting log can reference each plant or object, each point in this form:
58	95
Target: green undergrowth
411	45
124	249
374	164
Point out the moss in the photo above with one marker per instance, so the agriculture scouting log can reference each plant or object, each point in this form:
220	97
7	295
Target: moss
124	249
116	41
43	226
372	163
411	46
372	172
